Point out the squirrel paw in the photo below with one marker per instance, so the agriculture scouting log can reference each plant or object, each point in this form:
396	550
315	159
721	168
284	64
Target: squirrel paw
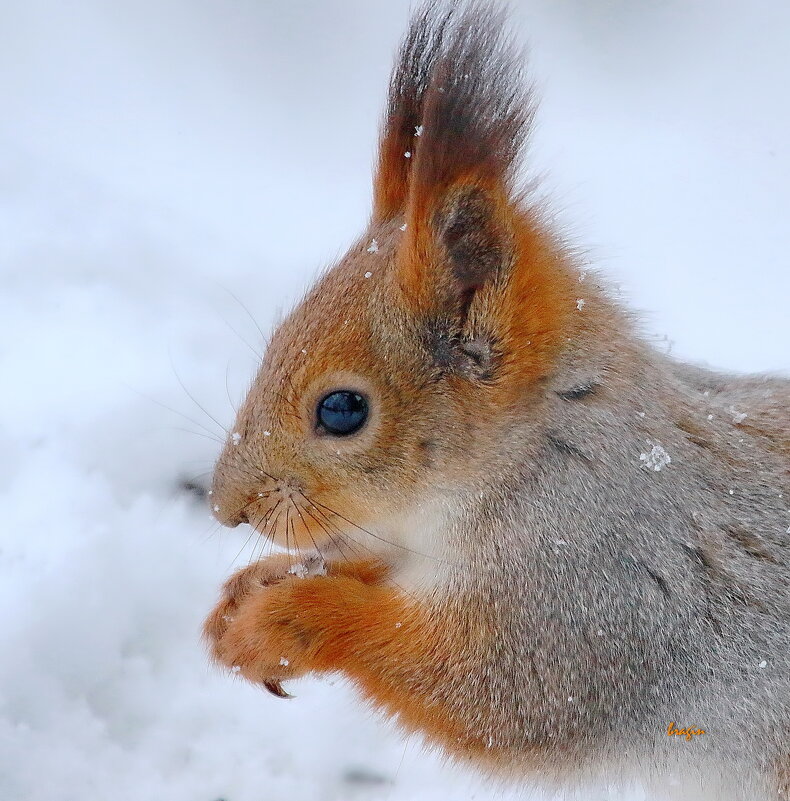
275	617
251	631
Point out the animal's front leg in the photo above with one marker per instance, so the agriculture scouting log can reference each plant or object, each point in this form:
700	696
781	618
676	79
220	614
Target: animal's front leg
404	655
275	622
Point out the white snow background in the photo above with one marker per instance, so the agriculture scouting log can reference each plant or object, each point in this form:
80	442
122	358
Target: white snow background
158	159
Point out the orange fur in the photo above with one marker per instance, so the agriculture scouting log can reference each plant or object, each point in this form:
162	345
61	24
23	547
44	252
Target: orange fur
399	652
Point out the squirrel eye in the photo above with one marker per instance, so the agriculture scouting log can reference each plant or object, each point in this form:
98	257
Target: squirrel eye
342	413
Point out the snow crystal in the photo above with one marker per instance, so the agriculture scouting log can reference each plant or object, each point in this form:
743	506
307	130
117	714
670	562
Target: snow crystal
580	303
304	350
373	247
763	664
284	662
599	632
235	438
267	433
582	276
368	274
403	227
407	154
418	129
216	508
398	624
737	417
710	417
236	669
657	458
299	570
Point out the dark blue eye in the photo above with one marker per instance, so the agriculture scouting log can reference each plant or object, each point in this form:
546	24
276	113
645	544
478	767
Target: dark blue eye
342	413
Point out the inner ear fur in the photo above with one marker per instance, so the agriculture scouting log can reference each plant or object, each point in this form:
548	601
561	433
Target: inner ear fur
471	228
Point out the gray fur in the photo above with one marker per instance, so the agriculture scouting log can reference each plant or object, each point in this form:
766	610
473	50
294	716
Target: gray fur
644	596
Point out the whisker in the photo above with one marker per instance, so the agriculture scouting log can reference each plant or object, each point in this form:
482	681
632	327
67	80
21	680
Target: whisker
335	540
175	411
345	536
212	437
193	399
287	533
307	529
227	391
246	543
370	533
249	314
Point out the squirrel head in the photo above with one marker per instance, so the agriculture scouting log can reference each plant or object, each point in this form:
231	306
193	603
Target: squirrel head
398	376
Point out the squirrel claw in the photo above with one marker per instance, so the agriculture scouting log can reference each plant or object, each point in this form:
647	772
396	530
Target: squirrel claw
275	688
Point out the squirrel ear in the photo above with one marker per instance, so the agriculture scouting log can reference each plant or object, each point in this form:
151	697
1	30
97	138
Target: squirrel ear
475	112
465	244
401	126
478	271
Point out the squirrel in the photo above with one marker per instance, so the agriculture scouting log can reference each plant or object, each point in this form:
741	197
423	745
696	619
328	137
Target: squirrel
513	524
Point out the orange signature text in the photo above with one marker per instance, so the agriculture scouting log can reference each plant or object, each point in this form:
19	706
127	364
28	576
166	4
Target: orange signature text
687	733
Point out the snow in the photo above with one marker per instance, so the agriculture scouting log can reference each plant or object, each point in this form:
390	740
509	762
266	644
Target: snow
373	247
580	304
656	459
156	184
235	438
299	570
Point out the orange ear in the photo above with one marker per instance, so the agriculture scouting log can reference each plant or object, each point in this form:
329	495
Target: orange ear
472	256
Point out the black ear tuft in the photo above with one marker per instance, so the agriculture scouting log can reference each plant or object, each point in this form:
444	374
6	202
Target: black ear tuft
458	105
476	109
411	77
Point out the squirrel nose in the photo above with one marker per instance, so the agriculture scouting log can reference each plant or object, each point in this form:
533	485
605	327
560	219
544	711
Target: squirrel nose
237	519
228	516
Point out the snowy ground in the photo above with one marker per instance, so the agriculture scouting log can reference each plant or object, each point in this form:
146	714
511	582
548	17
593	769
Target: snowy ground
160	158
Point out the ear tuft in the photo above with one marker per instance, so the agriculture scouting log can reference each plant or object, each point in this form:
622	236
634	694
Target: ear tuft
411	77
458	104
